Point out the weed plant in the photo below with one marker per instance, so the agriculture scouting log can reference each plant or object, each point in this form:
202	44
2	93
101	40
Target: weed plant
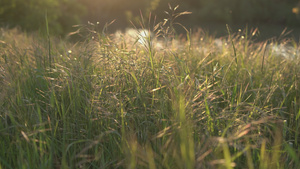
197	102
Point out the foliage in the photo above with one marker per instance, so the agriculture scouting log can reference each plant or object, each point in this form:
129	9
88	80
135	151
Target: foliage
30	15
63	14
105	11
241	11
173	102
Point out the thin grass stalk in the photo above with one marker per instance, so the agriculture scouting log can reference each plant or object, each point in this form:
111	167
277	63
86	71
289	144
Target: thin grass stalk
49	42
233	46
226	153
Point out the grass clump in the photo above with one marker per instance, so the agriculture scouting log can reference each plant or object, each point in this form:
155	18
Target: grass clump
106	102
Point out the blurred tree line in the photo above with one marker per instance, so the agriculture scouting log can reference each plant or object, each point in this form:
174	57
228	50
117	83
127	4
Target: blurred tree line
241	11
62	14
31	15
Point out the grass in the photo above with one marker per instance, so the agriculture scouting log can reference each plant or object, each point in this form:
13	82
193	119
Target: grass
197	102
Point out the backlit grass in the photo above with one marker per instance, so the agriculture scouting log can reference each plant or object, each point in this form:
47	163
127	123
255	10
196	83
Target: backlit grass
192	101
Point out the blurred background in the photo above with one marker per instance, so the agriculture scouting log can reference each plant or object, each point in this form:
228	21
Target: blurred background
270	16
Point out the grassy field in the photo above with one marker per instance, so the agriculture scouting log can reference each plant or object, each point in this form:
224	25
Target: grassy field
183	102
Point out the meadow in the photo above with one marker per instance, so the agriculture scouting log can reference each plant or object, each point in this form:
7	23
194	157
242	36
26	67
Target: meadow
159	100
